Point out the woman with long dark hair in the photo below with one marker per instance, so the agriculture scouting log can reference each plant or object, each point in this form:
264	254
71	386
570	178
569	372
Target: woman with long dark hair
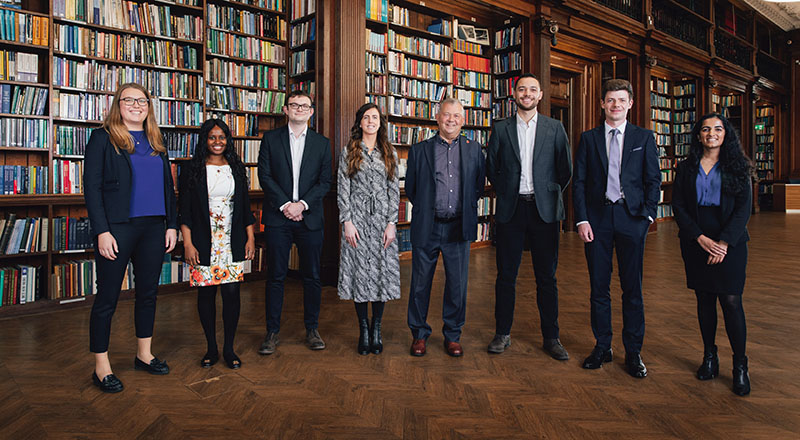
369	201
130	199
217	228
711	199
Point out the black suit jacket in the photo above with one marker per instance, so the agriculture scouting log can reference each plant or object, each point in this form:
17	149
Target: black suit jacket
107	184
552	167
640	176
735	209
421	188
275	176
193	212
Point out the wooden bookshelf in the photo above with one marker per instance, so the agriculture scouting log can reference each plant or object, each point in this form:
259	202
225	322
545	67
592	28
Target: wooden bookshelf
764	152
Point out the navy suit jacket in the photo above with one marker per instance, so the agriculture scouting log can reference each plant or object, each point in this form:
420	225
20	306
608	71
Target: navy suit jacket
107	179
275	176
421	188
640	176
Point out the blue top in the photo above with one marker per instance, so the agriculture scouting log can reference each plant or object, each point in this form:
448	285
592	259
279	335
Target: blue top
708	186
147	191
447	162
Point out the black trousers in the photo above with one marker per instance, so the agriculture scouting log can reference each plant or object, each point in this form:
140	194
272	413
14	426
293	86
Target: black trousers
140	241
614	227
309	247
447	239
543	238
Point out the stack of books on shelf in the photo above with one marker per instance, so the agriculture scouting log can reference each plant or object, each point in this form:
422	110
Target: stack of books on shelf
67	176
378	10
24	28
23	100
19	66
71	234
23	235
19	285
75	279
22	179
24	133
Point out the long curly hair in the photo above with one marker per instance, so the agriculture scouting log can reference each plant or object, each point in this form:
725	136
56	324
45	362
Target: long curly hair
120	137
354	157
737	169
197	166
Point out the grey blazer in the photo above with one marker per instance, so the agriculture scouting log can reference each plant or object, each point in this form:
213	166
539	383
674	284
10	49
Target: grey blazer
552	167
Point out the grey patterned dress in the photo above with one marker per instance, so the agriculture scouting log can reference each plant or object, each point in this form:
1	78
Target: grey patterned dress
369	200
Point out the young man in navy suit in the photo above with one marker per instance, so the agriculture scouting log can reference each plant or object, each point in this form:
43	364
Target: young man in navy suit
294	169
444	181
617	184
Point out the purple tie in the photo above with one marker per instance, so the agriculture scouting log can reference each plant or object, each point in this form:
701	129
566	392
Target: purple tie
612	187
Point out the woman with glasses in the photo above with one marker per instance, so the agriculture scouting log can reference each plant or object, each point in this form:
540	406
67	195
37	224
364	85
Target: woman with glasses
217	228
369	200
711	198
130	199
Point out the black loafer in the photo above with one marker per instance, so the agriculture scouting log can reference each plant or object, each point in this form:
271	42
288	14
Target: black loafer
233	361
154	367
109	384
597	358
635	365
208	360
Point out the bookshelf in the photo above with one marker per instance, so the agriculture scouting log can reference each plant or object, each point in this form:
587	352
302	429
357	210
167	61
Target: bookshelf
303	61
729	104
764	152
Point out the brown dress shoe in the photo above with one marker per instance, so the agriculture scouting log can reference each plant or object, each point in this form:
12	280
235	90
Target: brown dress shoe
453	348
418	347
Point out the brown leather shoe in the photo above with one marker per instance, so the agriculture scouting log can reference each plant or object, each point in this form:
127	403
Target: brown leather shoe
418	347
453	348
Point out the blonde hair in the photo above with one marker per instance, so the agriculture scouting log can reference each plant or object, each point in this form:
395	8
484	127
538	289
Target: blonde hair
121	138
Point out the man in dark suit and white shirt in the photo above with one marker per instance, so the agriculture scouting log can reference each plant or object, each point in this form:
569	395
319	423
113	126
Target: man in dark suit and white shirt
529	166
444	180
616	192
294	169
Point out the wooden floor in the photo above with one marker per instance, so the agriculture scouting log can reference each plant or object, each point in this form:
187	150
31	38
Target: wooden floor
46	392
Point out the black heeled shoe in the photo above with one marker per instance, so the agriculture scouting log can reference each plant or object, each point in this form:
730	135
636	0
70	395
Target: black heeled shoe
363	337
109	384
154	367
709	369
375	338
209	359
232	361
741	378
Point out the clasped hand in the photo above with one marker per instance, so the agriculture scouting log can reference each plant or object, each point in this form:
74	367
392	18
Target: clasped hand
294	211
716	249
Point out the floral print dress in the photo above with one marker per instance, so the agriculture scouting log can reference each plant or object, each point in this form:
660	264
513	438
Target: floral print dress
222	270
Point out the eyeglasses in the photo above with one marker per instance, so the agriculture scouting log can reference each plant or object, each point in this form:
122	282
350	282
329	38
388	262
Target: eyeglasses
131	101
295	106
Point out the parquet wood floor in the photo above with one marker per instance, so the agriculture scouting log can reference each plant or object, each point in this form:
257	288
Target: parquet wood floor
46	392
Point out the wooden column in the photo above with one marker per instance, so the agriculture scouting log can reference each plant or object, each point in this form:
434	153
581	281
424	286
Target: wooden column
794	106
539	29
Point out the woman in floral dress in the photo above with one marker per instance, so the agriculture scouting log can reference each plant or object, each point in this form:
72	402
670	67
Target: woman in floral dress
218	233
369	200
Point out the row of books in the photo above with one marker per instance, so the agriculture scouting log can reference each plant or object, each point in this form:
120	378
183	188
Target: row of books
79	278
486	206
504	108
19	284
302	8
376	42
660	115
419	46
667	175
67	176
223	43
765	111
80	106
71	141
484	231
24	28
19	66
659	85
766	120
667	163
688	116
71	234
266	101
376	84
404	239
474	80
404	212
303	33
662	139
508	37
378	10
375	63
764	165
23	179
408	135
684	89
257	24
235	74
247	149
23	235
682	149
137	17
302	62
380	101
309	87
660	101
252	178
765	129
504	87
507	62
478	117
131	48
661	127
478	135
761	156
663	211
468	47
23	100
240	125
685	103
99	76
419	89
401	64
399	106
682	128
726	101
24	133
471	62
178	113
765	139
180	144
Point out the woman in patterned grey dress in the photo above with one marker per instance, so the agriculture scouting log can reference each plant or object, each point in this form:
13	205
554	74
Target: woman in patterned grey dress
369	200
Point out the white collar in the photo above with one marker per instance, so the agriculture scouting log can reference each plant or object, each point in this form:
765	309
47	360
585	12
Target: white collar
621	127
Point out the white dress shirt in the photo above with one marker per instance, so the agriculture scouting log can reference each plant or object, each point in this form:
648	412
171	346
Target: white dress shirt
526	135
297	145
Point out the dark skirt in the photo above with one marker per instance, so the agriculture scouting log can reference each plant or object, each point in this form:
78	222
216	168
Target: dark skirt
724	278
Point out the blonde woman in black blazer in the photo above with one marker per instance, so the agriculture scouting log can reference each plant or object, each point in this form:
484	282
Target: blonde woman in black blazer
711	199
130	198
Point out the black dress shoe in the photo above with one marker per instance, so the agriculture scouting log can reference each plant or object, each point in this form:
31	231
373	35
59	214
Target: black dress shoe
741	378
363	337
208	360
554	348
232	361
709	369
154	367
635	365
597	358
109	384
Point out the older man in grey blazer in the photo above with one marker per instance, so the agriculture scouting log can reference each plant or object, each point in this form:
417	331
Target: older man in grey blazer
529	165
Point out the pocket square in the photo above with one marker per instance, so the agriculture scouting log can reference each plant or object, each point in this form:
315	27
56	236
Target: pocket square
636	149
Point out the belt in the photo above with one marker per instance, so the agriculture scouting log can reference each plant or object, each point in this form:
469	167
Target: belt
447	219
527	197
619	201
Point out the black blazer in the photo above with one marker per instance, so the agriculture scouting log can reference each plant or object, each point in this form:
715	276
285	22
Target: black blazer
193	212
107	184
640	176
735	209
552	167
421	188
275	176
